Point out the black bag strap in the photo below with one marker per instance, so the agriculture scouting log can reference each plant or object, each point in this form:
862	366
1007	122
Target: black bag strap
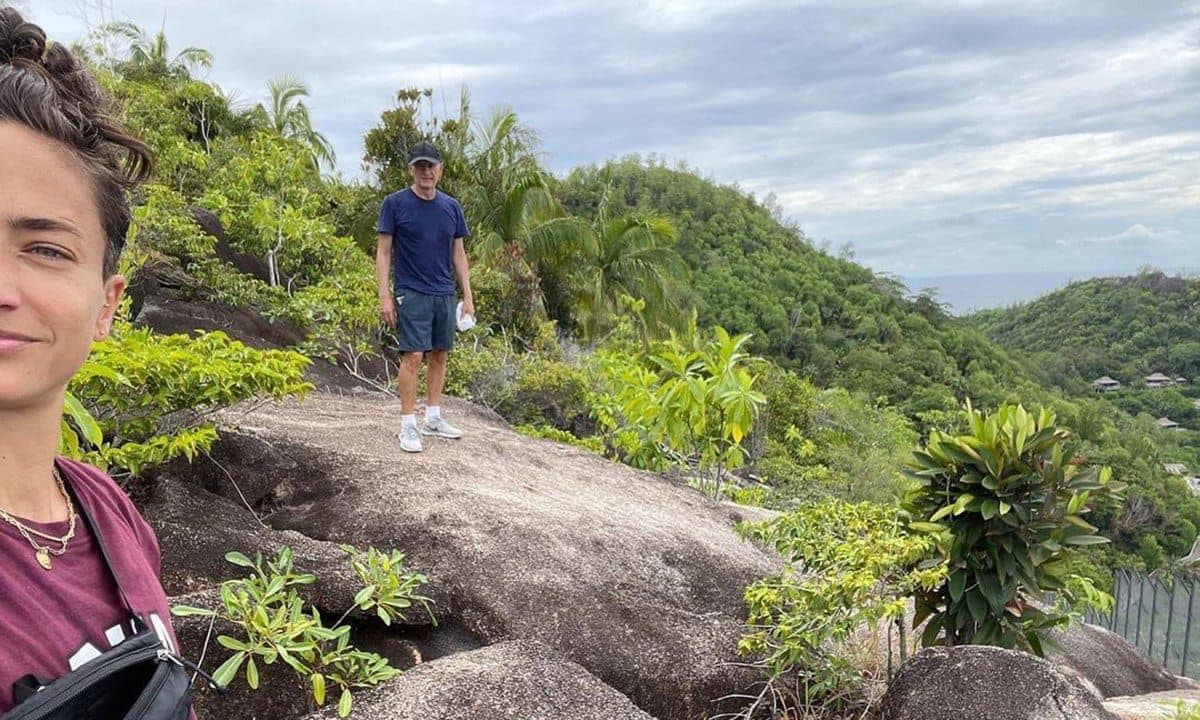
104	553
26	687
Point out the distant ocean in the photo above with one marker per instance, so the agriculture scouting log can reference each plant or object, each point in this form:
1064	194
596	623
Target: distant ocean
967	293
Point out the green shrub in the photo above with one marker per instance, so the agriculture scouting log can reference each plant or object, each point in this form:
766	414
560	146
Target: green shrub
845	565
592	444
1181	710
830	443
552	392
152	396
274	625
387	587
686	402
1005	503
481	368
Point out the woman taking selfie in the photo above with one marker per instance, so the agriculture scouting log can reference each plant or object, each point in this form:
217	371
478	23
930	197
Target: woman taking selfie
84	623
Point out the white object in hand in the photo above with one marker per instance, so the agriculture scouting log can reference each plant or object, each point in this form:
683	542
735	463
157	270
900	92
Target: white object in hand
465	322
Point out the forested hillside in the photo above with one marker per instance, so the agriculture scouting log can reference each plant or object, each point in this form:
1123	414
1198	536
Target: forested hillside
825	317
838	324
1122	327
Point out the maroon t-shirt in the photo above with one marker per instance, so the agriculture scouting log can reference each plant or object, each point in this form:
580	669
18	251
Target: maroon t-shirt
54	622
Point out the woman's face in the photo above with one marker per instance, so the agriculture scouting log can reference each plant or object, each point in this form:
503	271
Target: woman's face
54	300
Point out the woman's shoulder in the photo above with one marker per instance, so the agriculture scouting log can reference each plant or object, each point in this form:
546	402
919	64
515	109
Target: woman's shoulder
100	492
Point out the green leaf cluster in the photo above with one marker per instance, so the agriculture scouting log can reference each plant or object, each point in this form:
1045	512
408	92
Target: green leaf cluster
1006	502
846	565
687	401
275	626
388	588
592	444
142	399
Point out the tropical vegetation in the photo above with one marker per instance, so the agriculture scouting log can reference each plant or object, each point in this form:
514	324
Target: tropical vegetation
648	314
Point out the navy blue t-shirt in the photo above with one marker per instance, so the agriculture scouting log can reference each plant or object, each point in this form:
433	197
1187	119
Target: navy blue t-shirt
423	233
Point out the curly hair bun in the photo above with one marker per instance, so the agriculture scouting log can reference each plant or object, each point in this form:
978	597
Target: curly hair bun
44	87
20	40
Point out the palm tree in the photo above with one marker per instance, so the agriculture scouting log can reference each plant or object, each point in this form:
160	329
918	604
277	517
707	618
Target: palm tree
579	271
288	116
519	225
505	186
629	256
152	54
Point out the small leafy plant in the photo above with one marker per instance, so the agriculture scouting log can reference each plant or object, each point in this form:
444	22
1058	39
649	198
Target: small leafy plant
1005	503
275	626
388	588
688	402
1181	711
846	565
142	399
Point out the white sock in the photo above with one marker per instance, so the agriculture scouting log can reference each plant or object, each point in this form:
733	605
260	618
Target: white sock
408	421
432	412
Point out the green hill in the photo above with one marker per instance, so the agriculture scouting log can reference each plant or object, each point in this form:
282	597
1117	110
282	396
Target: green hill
1125	327
828	318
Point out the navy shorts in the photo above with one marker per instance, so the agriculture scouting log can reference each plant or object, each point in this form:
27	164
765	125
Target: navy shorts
424	322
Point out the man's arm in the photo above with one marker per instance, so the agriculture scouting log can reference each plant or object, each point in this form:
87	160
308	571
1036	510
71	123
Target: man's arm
463	270
383	278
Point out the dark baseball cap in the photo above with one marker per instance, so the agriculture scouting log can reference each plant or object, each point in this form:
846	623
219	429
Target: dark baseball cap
424	151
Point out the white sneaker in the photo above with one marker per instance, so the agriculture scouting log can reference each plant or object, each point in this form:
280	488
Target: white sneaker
441	428
410	439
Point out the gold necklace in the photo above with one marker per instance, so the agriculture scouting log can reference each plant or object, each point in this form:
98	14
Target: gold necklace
43	552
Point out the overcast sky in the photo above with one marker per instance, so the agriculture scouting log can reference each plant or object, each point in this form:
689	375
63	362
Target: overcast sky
936	137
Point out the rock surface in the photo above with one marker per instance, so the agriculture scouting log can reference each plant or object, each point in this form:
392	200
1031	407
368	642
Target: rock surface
986	683
1151	706
1110	662
634	578
516	679
196	529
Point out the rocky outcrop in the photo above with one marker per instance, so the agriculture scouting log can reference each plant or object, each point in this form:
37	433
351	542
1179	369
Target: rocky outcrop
164	307
516	679
636	579
1110	663
196	529
986	683
244	263
1152	706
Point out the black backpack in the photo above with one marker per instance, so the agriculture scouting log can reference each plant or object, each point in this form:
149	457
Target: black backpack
139	679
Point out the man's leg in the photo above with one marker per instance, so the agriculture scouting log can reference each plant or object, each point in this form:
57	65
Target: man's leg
435	376
413	326
407	372
410	434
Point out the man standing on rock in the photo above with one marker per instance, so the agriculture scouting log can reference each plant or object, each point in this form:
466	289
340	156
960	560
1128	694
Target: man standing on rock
421	232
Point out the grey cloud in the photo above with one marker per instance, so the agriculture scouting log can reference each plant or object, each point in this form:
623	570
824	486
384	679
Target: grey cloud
994	128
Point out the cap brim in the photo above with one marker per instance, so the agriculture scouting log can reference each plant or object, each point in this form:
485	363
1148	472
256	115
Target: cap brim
425	158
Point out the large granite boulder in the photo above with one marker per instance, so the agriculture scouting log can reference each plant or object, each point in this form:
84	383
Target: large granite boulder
986	683
1110	663
516	680
634	578
1152	706
196	529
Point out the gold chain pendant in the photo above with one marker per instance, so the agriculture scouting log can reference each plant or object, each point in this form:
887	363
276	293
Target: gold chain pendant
43	558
